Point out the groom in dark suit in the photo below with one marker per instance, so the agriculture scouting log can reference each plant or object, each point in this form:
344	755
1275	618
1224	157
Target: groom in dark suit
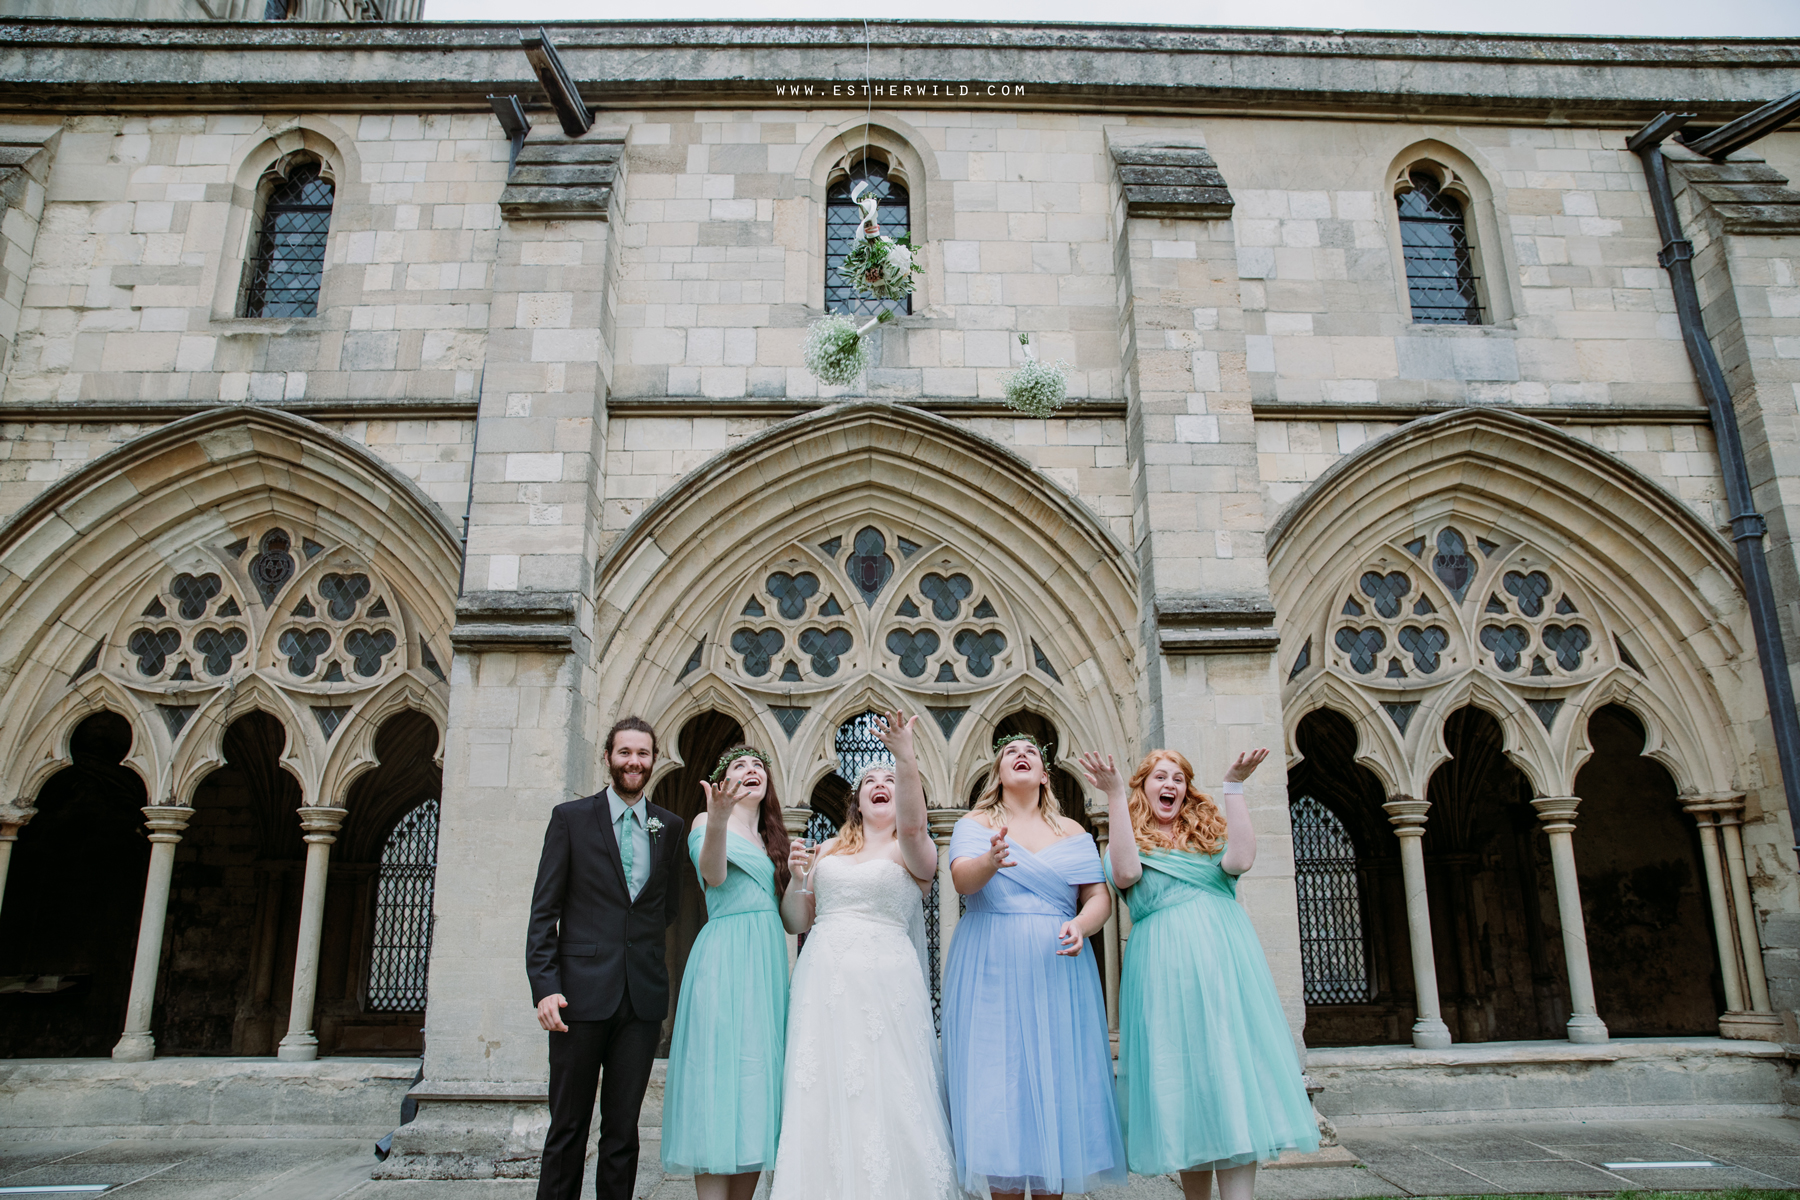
607	888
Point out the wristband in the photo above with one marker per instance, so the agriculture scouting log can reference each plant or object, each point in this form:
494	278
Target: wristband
1233	789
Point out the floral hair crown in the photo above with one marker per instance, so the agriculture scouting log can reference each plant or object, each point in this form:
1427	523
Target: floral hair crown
726	759
880	764
1002	742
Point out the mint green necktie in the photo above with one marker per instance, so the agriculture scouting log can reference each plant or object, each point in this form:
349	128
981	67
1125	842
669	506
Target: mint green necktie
625	847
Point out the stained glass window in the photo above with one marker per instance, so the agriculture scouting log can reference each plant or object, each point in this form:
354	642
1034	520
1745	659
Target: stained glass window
403	889
290	249
1440	265
841	220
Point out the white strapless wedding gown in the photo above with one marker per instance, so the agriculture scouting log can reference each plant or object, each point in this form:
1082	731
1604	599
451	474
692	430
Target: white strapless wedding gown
863	1114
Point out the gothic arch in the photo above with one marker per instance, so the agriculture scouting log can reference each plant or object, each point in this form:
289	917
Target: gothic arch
909	158
1040	597
173	518
1584	539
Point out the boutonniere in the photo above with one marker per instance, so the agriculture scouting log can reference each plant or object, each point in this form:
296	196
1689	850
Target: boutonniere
653	827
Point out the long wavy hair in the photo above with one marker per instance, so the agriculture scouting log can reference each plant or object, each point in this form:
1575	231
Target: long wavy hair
770	824
990	799
1199	825
850	837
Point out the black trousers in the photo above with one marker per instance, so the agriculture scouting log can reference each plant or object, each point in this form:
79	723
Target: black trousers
613	1058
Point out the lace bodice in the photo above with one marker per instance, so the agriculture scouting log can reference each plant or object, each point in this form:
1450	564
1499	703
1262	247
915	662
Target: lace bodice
876	888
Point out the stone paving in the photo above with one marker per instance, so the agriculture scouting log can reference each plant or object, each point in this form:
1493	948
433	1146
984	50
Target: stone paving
1568	1158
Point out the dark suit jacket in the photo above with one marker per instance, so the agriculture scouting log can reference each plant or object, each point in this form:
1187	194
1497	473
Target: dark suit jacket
588	939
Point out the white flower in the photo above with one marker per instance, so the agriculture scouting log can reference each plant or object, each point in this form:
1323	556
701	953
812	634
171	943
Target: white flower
900	259
653	826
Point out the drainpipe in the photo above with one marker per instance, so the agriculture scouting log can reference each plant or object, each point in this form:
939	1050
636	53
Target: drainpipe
1747	525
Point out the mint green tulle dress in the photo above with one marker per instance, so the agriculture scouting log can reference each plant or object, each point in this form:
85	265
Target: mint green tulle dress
1208	1076
722	1104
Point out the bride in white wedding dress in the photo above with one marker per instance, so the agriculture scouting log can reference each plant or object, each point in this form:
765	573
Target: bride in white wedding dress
863	1115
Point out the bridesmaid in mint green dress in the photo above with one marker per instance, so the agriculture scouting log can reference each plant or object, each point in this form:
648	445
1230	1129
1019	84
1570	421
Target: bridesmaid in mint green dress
1208	1079
722	1103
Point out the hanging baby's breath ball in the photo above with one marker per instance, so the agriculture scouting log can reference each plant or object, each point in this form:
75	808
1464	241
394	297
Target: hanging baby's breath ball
835	350
1037	389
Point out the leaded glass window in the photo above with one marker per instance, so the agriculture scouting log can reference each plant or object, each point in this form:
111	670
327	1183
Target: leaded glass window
1440	265
841	220
289	260
1334	958
275	10
403	891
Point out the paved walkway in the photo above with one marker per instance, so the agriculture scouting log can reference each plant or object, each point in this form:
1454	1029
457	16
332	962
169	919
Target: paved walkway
1489	1159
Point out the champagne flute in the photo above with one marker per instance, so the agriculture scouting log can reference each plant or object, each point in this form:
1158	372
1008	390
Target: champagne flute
806	882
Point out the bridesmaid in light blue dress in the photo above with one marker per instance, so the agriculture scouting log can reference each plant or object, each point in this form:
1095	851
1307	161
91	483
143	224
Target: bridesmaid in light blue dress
1208	1077
722	1106
1027	1060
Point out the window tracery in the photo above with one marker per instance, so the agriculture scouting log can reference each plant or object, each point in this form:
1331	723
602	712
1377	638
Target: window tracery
322	625
819	618
1423	612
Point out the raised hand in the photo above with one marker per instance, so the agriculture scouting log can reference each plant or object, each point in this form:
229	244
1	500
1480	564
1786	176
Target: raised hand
896	733
720	800
1245	765
997	855
1070	940
1102	773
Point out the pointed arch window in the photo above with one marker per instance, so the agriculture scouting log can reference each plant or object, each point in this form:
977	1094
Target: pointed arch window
288	263
1440	261
841	220
1334	956
403	891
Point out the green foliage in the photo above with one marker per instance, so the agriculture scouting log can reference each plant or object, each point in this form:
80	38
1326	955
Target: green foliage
882	267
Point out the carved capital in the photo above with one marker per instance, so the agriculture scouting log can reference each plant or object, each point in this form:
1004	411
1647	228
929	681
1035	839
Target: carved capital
14	817
1407	815
321	823
1724	807
1557	812
941	821
167	821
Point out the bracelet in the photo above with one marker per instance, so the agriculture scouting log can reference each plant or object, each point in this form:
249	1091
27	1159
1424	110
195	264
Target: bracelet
1232	788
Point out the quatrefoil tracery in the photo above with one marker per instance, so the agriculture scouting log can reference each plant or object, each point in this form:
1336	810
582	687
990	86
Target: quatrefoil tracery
1424	611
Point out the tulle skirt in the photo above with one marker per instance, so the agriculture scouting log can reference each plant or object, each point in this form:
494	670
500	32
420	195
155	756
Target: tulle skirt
1208	1076
722	1106
1027	1060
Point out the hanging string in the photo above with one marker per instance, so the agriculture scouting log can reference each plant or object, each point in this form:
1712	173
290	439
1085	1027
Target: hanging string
868	96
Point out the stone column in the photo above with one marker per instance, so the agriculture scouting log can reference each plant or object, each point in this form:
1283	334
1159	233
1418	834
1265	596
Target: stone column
949	910
166	823
321	825
1408	818
1702	809
1558	816
1731	820
1109	935
13	817
1209	683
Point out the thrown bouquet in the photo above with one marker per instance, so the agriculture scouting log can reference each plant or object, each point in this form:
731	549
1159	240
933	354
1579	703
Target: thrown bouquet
877	267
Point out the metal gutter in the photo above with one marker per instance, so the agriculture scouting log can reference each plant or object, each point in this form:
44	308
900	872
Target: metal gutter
1748	527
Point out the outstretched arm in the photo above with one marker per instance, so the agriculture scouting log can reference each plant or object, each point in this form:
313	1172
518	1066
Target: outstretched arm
1121	839
912	830
1240	838
719	803
970	873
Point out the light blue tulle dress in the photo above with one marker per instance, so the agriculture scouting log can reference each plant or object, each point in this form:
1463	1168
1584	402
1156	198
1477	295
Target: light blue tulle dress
1027	1060
722	1106
1208	1076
